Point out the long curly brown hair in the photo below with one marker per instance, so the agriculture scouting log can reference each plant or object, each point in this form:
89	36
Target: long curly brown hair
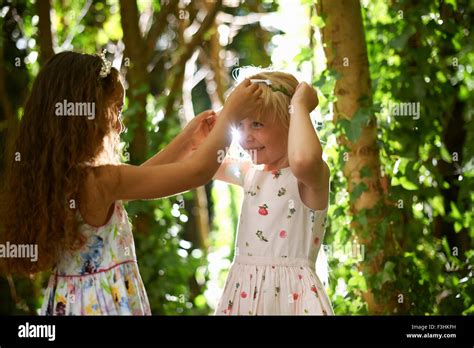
51	153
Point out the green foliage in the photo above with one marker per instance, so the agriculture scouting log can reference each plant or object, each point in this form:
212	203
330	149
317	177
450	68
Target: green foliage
418	53
352	128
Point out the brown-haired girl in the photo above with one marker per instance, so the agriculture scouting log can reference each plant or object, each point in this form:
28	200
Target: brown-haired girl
65	184
286	190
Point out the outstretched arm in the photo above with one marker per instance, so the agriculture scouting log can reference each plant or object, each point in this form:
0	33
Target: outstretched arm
182	145
127	182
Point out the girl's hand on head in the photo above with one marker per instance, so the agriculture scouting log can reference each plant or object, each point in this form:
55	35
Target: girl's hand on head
306	96
244	100
199	128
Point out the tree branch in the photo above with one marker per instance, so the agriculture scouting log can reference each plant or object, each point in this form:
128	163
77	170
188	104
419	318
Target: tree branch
183	58
198	36
134	43
158	26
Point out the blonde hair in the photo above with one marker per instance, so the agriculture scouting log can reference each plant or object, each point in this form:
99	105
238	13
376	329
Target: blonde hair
277	96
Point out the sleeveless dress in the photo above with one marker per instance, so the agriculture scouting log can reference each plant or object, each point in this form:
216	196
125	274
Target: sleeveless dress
273	272
101	278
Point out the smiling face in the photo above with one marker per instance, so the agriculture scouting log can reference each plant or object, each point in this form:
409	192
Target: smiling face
265	140
265	135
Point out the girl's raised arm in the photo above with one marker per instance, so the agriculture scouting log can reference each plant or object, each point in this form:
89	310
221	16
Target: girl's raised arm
182	145
304	149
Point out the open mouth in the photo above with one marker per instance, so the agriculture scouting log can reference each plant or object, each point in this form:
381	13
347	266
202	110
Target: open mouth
255	148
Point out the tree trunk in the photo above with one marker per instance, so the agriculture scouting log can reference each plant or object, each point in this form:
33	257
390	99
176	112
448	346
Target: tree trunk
45	35
134	59
8	119
345	49
136	76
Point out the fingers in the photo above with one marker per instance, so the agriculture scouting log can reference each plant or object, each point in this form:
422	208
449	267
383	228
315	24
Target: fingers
253	87
246	83
206	114
210	126
210	119
210	122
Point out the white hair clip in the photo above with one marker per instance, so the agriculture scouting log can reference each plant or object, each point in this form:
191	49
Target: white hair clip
267	82
106	65
270	85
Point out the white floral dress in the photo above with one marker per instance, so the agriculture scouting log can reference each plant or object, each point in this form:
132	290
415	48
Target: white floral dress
273	272
102	278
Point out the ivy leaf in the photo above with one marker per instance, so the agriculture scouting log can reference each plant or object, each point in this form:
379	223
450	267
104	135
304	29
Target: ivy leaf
318	21
358	190
365	172
361	219
338	212
353	127
305	54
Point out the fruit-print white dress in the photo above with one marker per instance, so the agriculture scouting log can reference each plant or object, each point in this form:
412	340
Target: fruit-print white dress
273	272
101	278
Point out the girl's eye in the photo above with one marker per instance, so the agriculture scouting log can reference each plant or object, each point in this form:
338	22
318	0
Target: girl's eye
257	125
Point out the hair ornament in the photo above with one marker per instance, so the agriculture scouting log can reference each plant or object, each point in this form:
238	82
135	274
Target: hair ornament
273	88
106	65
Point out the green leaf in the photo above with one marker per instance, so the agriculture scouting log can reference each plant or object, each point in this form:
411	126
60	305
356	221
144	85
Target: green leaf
455	213
452	3
361	219
339	212
353	127
358	190
407	185
387	274
438	205
305	54
318	21
445	154
365	172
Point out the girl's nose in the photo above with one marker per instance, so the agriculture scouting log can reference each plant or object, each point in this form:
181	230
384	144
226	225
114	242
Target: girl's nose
248	136
245	138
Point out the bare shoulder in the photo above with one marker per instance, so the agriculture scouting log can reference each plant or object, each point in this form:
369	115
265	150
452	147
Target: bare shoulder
95	198
316	198
104	180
